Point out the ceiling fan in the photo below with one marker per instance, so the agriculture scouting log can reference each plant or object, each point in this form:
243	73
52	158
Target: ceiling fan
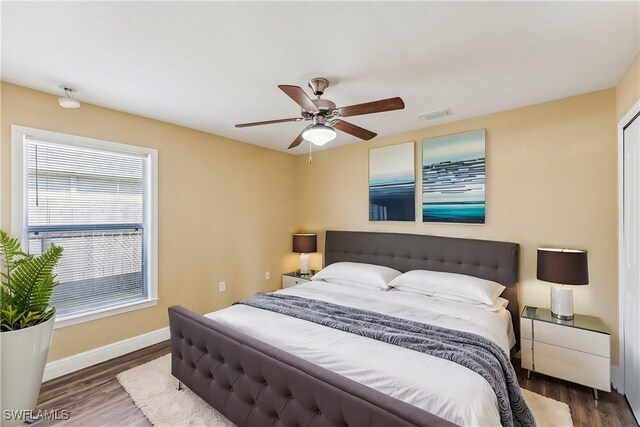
325	117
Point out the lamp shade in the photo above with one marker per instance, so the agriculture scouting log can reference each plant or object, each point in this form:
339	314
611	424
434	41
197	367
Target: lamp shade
304	243
564	266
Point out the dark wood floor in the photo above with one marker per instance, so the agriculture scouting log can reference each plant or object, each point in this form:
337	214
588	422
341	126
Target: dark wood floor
610	410
94	397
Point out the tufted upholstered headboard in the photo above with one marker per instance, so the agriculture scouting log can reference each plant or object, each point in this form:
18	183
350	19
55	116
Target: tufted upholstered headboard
487	259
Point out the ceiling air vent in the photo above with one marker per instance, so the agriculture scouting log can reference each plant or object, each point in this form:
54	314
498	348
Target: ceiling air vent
435	114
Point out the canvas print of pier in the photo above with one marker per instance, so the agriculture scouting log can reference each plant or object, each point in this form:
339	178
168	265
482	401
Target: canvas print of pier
392	183
453	178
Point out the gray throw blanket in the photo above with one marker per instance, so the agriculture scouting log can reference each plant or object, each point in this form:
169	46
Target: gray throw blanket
472	351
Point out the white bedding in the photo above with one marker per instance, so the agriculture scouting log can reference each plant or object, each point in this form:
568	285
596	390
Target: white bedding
436	385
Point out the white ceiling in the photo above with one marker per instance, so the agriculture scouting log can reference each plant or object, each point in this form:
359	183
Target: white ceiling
209	65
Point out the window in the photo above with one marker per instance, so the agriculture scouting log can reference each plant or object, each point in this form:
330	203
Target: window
95	199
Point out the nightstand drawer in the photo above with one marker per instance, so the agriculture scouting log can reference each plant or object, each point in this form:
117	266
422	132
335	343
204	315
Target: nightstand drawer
582	368
571	338
288	281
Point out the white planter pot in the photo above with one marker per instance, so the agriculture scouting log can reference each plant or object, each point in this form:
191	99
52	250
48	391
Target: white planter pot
23	356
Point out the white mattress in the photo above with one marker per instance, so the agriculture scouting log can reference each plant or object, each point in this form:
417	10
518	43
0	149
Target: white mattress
436	385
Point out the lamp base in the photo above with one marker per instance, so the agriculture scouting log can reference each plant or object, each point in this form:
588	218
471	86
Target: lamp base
562	302
561	317
304	263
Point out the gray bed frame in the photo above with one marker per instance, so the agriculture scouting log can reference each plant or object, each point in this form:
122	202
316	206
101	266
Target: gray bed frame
255	384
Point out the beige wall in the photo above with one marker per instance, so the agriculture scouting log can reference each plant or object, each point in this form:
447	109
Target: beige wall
224	211
628	90
551	181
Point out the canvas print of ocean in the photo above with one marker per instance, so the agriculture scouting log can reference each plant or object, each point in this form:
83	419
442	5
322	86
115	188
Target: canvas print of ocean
453	178
392	183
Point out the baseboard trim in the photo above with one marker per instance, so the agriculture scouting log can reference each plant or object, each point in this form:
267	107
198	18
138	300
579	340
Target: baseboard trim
67	365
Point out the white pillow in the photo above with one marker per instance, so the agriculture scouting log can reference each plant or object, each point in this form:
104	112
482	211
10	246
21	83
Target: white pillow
352	284
429	282
357	273
498	304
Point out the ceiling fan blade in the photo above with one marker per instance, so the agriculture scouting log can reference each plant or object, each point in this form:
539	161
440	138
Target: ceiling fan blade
300	97
296	141
380	106
269	122
354	130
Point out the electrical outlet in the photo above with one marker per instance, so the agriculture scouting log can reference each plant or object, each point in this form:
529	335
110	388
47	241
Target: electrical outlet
222	286
267	276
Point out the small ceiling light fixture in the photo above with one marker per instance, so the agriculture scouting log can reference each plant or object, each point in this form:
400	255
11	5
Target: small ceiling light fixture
319	134
68	102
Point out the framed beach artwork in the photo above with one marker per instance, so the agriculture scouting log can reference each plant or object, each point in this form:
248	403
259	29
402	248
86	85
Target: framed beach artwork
392	183
453	178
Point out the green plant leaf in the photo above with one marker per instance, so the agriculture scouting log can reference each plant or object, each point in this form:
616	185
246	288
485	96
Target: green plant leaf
6	297
34	276
10	252
26	285
10	318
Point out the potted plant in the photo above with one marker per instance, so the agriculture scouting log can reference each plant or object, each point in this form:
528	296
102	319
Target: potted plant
26	325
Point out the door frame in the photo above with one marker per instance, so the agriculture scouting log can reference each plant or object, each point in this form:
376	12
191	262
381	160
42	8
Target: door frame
618	374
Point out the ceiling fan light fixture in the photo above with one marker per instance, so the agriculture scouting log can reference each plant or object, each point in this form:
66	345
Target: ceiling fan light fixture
319	134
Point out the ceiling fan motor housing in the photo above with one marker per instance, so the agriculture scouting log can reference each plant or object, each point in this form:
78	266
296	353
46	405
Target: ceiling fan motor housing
325	106
318	85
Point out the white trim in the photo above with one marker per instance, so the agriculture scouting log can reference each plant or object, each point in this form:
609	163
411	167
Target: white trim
19	134
51	137
88	316
17	181
152	224
618	372
88	358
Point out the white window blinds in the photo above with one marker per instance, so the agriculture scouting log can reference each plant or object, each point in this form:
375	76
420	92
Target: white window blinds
91	202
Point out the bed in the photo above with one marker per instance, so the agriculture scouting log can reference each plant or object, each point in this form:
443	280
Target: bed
263	368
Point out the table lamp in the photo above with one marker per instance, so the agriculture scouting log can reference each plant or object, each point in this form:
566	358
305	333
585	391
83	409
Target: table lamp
565	267
303	244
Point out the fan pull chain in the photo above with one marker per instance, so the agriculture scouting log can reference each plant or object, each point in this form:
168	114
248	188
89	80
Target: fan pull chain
310	158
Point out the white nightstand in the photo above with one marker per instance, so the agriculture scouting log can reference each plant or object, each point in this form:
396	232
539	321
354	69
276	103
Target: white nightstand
294	278
577	350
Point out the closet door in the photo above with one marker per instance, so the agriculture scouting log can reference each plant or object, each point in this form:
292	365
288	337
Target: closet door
631	264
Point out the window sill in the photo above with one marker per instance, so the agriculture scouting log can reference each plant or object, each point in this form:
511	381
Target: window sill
88	316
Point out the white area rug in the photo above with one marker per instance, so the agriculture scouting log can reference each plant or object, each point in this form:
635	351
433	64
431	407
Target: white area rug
153	390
